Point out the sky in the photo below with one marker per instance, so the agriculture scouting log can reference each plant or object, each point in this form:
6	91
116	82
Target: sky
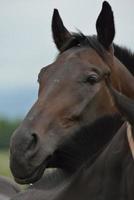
26	43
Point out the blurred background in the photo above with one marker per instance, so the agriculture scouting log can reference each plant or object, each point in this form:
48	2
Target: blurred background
26	45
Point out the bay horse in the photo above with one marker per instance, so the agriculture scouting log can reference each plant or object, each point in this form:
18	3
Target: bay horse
72	95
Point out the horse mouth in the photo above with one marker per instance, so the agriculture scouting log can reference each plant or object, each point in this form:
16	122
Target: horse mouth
35	175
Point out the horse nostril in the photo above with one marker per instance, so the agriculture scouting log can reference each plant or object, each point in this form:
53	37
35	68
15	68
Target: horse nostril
32	146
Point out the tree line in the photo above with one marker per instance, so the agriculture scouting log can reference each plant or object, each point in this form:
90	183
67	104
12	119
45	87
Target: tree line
6	129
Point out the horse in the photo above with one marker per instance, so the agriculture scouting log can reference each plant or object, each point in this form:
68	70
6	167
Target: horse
7	188
72	94
109	177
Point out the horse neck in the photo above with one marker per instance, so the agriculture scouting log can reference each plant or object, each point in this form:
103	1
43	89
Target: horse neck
122	79
113	168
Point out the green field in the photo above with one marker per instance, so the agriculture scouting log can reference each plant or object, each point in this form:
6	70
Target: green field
4	163
7	127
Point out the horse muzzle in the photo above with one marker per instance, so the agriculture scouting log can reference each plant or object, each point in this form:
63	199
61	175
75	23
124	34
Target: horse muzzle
28	158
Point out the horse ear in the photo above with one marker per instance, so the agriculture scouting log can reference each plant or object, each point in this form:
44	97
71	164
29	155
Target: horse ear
124	104
105	26
60	33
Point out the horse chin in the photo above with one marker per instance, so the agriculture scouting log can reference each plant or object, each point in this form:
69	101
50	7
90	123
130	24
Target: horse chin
35	175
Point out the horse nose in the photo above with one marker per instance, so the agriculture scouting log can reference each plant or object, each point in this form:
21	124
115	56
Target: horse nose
25	142
32	145
23	149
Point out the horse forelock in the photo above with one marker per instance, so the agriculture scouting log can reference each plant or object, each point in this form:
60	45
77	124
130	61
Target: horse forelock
79	39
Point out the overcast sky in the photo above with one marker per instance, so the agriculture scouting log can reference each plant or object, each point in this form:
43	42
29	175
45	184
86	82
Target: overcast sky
26	44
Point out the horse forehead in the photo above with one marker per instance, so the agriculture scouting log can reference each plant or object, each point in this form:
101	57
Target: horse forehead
73	63
83	56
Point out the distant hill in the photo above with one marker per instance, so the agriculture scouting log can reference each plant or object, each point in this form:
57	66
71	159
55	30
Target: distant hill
16	102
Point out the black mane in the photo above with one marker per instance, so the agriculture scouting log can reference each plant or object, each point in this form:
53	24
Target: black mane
125	56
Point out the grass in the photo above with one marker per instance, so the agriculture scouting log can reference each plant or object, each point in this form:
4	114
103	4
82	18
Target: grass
4	166
4	163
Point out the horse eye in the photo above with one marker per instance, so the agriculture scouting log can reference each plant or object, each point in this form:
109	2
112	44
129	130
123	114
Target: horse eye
92	79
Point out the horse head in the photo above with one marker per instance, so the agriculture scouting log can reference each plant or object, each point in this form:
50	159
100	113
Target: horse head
72	94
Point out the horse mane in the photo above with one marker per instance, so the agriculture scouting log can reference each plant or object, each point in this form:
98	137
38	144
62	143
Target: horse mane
125	55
